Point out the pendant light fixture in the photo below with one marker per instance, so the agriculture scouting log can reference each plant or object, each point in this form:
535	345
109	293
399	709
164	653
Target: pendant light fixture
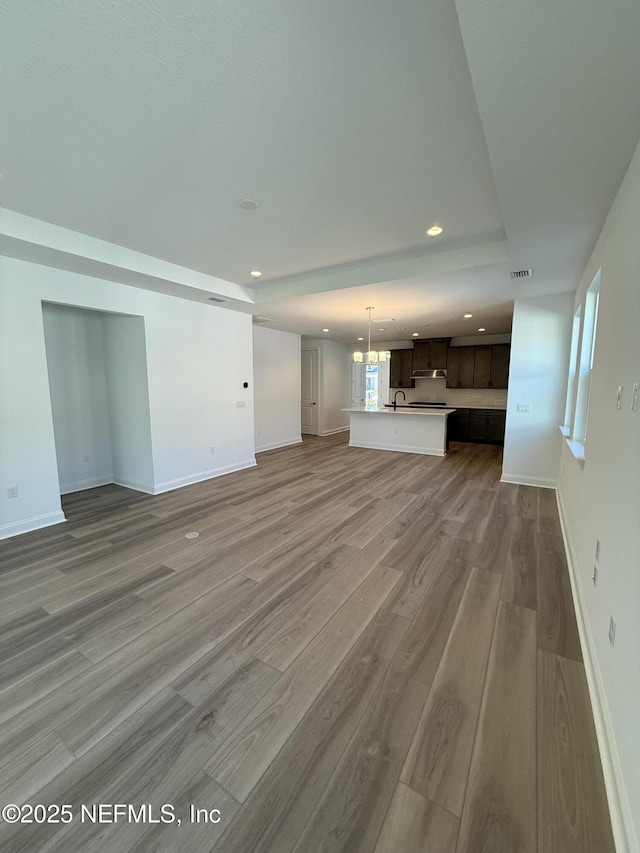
372	356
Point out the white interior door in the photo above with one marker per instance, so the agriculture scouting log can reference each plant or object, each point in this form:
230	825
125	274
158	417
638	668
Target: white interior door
309	419
357	383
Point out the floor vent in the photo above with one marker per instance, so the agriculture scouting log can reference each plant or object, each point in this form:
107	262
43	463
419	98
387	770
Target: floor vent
521	274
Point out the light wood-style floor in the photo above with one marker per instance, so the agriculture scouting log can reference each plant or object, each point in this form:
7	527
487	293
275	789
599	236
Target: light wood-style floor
361	651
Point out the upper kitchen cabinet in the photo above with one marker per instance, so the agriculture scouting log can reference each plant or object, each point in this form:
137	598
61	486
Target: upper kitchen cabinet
491	366
401	369
461	362
430	355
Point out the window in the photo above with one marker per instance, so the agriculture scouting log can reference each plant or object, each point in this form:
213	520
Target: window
583	344
573	364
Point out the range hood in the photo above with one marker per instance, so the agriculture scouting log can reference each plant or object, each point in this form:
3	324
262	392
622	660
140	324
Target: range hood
429	374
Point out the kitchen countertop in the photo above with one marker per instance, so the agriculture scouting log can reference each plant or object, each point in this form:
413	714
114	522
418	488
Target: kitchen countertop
413	410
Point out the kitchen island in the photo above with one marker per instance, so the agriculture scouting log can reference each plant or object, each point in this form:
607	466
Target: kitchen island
409	430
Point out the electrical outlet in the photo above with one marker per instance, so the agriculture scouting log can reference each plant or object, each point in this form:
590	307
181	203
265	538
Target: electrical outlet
523	407
595	574
612	631
12	491
240	404
85	458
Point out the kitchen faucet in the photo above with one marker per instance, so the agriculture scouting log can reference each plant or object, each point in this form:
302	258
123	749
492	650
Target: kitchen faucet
404	397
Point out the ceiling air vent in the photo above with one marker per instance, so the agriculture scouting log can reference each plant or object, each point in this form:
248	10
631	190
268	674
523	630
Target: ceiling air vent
217	299
521	274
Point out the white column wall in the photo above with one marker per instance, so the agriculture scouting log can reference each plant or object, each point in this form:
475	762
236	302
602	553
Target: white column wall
276	391
540	343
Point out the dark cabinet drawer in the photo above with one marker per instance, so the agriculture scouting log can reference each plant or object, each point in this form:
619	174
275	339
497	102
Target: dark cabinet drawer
487	426
483	426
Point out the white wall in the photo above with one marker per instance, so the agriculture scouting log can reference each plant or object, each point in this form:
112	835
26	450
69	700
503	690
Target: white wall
276	388
540	343
198	357
79	403
125	360
602	501
334	385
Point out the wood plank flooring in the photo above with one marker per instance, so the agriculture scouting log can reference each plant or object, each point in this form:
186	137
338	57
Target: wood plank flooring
361	651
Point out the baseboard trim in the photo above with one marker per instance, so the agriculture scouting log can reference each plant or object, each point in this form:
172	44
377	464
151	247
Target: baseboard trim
83	485
399	448
621	818
519	480
27	525
275	444
181	482
132	484
334	431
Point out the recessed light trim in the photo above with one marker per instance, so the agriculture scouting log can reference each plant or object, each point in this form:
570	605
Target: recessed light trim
255	273
248	204
467	316
360	339
325	330
434	230
482	329
415	334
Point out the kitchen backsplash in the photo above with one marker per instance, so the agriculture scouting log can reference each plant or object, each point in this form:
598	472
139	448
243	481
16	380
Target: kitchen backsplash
435	390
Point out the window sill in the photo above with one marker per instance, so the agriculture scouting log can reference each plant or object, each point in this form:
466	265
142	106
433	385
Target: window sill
565	431
577	450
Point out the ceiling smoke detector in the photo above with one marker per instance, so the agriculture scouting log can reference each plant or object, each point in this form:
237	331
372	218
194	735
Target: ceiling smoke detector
248	204
521	273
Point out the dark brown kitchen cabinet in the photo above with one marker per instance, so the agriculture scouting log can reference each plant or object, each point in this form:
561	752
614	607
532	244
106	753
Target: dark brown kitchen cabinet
491	366
461	362
401	369
486	426
458	425
430	355
500	365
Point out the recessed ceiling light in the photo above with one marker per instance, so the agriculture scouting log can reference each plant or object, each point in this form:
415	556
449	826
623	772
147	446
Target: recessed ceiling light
482	329
325	330
255	273
360	339
248	204
466	316
415	335
381	330
434	231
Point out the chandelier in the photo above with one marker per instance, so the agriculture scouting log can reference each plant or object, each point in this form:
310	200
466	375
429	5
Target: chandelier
372	356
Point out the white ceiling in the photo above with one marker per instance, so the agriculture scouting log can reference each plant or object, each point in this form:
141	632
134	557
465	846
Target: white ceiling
355	126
